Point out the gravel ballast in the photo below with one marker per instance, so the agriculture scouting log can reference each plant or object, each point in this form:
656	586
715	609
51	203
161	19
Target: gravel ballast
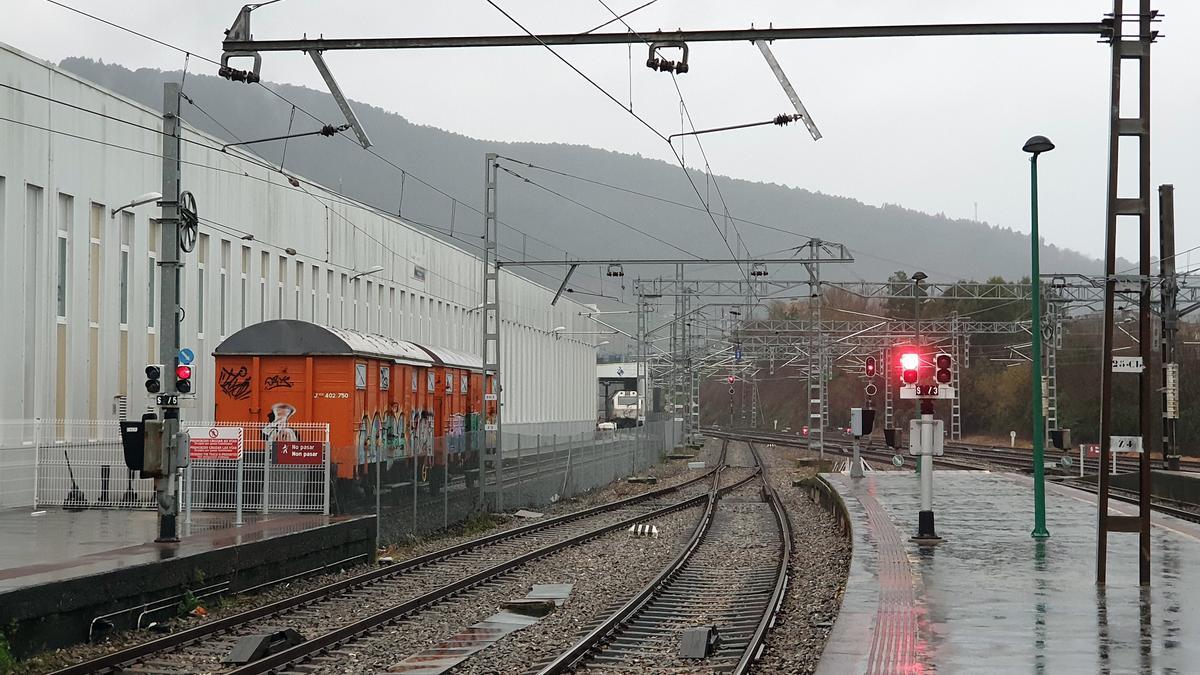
602	571
820	563
669	473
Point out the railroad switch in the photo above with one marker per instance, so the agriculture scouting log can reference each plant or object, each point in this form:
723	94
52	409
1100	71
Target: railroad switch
254	647
699	642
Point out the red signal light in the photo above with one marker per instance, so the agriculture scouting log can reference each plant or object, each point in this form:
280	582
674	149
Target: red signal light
183	372
909	362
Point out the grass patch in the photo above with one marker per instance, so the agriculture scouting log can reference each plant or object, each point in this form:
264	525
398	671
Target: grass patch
478	523
8	662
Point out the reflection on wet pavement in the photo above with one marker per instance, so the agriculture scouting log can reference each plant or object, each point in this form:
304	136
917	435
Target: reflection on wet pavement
993	599
58	545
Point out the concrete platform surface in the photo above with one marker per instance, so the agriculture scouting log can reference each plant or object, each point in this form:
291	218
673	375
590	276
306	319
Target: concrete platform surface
991	599
64	575
57	545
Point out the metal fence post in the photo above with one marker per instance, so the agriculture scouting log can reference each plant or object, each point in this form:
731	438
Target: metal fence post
325	497
266	490
416	480
239	489
446	479
37	457
187	516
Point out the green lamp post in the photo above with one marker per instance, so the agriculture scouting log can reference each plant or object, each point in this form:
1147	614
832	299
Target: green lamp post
1036	146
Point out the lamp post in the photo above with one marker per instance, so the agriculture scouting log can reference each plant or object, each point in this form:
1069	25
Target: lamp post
1036	146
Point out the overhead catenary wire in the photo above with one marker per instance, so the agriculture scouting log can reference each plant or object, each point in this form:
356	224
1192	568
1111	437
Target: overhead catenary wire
598	212
372	151
303	110
243	174
639	118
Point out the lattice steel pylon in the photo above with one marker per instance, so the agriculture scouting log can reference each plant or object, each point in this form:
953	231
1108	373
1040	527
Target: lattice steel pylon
817	410
956	377
889	401
490	459
754	412
1137	51
1050	347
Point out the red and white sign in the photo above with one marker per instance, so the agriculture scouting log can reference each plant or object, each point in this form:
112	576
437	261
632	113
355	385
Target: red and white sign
1092	450
299	452
215	443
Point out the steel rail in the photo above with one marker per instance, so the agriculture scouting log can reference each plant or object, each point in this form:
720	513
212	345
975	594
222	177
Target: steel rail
1009	459
577	652
114	661
585	646
288	657
759	638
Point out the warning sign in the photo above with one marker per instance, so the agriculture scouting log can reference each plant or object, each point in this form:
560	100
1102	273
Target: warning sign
299	452
215	442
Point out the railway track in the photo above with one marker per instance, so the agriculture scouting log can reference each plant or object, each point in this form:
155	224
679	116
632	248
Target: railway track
731	574
980	457
338	613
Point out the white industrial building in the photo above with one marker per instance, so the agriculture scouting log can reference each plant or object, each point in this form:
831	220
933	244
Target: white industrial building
79	305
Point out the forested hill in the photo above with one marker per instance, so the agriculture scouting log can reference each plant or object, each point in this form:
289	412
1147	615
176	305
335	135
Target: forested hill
884	239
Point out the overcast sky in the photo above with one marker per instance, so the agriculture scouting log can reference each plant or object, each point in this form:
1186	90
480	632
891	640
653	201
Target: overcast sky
934	124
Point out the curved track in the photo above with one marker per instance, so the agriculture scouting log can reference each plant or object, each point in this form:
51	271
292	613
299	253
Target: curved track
965	456
732	573
343	610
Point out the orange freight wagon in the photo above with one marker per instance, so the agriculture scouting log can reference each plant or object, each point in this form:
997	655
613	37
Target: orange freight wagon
386	401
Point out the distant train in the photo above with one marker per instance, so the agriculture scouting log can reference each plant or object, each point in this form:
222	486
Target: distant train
381	397
625	409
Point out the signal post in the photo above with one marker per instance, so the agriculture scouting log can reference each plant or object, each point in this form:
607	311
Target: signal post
157	446
926	435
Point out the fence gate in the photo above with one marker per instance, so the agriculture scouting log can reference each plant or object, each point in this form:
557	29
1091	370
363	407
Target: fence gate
80	464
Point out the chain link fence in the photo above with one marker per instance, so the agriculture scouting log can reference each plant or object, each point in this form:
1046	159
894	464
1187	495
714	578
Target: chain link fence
81	464
536	470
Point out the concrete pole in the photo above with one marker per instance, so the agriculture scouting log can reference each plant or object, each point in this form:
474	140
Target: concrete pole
166	488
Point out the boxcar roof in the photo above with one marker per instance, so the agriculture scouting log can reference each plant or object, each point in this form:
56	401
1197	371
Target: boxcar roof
290	337
454	358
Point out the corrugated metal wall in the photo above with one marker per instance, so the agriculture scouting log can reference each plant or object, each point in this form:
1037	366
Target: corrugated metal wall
79	307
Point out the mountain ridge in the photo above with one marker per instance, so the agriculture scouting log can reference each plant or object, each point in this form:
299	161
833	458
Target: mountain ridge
884	238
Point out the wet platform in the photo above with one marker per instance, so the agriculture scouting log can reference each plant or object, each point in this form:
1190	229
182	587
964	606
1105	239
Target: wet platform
991	599
67	576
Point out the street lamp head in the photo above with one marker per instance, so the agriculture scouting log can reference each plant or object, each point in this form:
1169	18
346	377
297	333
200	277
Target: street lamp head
372	270
137	201
558	329
1036	145
919	276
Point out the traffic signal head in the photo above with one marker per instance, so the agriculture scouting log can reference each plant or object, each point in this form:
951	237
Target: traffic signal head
943	362
909	362
870	366
154	373
183	378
